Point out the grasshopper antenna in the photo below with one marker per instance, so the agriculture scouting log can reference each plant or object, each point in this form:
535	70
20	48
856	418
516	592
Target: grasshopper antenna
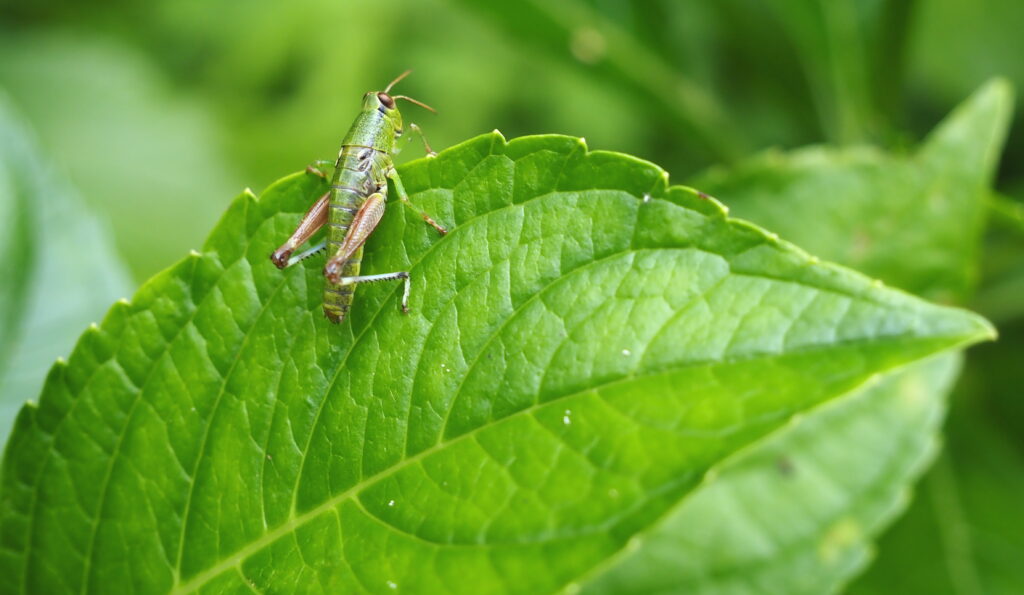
411	100
398	78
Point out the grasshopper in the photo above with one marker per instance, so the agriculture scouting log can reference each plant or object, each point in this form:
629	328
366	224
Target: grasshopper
354	205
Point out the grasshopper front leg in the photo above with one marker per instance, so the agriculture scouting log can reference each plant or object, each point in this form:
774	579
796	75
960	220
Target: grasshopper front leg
315	167
423	137
313	220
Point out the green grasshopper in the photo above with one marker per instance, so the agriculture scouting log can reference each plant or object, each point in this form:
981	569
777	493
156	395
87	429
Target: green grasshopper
354	205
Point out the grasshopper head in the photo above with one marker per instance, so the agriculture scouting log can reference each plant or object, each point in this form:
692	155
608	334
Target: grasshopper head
385	104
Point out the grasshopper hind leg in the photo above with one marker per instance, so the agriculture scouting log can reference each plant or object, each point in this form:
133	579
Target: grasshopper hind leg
336	309
315	249
314	219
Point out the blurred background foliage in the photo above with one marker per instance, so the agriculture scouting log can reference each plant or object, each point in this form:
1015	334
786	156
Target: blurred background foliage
159	112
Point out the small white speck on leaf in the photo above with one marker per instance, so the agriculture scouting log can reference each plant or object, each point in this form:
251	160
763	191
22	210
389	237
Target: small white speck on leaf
565	418
392	585
391	502
627	352
647	197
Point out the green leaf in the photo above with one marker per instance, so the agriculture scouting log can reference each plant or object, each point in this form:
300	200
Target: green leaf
913	221
747	528
584	346
825	201
797	513
966	513
58	268
999	296
134	150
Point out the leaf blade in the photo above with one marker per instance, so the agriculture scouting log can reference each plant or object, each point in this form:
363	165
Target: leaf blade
283	448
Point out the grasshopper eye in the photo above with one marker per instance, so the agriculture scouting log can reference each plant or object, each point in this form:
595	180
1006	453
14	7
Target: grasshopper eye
386	100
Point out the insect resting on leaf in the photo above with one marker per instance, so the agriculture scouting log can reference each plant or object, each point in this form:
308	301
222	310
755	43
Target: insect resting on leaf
354	205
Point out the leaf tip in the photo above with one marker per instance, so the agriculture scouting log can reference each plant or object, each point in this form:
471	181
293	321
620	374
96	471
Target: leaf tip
983	119
497	137
987	330
969	328
700	201
999	87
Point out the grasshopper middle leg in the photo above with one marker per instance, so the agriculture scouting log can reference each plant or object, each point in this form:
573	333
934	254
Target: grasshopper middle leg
404	197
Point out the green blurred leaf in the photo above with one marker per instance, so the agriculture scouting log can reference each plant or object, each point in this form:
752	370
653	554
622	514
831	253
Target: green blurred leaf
146	157
913	221
876	212
797	513
964	533
1002	265
584	347
58	269
769	537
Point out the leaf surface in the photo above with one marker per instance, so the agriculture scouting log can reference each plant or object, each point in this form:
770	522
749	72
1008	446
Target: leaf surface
584	346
